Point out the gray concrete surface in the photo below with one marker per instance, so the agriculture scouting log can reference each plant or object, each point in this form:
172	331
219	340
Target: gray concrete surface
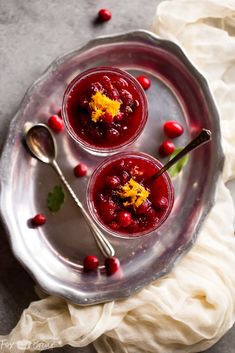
32	34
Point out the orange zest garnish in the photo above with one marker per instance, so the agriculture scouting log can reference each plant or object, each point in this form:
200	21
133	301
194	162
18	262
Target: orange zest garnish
101	104
135	192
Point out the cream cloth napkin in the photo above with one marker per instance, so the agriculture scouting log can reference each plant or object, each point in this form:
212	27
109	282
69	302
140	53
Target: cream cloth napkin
192	307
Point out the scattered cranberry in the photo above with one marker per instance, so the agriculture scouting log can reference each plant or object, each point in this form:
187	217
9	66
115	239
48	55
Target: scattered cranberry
161	204
90	263
124	218
104	15
56	123
112	265
173	129
80	170
112	182
166	148
144	81
39	219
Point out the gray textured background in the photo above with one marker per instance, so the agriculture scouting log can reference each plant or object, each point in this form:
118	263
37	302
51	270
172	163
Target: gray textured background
32	34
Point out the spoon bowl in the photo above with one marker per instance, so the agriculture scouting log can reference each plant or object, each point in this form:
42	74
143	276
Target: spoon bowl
42	145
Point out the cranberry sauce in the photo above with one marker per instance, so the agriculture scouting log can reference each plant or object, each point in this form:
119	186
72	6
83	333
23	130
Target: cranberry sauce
104	108
126	200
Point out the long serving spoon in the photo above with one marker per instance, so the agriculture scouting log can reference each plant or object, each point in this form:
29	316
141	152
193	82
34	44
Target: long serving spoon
42	145
203	137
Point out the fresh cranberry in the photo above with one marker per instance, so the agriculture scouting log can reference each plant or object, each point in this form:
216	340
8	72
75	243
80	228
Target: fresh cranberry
80	170
39	219
113	182
144	81
56	123
108	210
112	265
90	263
124	218
166	148
173	129
104	15
161	204
112	134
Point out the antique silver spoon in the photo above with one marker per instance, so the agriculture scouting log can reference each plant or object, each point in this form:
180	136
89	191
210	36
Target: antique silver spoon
203	137
42	145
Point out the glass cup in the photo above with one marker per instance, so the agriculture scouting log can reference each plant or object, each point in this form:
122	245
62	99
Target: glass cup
105	204
107	135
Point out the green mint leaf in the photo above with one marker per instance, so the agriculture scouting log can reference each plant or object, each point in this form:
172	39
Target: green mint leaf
178	166
55	199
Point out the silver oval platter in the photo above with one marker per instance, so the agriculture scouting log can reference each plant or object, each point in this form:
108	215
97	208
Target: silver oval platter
54	253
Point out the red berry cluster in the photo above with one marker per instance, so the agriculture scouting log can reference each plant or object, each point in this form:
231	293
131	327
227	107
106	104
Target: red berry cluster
172	129
91	263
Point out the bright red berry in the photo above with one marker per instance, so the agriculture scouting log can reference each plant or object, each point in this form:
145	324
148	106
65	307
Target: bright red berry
56	123
112	265
39	219
144	81
80	170
166	148
104	15
124	218
173	129
90	263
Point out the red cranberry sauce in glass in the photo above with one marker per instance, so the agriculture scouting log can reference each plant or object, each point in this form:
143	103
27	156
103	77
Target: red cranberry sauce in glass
123	198
104	109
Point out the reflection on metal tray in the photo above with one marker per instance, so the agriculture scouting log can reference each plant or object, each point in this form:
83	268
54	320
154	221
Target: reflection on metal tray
53	253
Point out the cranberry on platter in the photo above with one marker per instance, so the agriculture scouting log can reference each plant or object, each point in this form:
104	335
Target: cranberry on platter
144	81
39	219
104	109
123	198
173	129
104	15
56	123
166	148
90	263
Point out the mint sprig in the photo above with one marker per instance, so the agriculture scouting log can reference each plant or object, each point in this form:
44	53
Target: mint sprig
55	199
178	166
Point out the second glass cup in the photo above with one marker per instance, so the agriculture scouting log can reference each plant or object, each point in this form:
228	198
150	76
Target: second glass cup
104	109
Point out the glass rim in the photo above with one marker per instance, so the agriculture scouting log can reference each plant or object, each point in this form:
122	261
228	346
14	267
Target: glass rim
87	145
99	169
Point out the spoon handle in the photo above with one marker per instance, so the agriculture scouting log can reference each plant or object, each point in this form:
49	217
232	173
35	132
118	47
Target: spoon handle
104	245
203	137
